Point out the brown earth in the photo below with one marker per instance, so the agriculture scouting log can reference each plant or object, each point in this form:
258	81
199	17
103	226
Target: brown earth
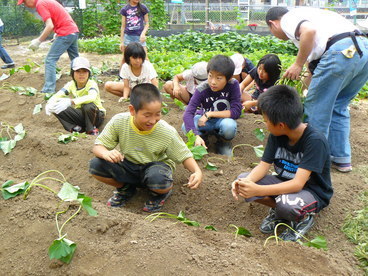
121	241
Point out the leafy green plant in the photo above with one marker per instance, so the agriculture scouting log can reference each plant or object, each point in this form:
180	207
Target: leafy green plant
180	104
180	217
70	137
27	68
259	133
158	17
318	242
62	249
9	136
198	151
240	231
164	109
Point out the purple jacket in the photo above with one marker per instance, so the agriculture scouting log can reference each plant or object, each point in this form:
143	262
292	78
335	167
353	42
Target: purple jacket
207	100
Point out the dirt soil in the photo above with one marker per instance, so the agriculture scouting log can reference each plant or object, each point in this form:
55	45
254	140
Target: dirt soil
120	241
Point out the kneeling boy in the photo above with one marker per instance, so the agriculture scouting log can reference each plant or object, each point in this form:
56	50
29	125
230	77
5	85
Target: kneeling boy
301	158
149	148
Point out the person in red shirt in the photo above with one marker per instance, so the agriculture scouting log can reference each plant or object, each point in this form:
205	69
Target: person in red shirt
56	19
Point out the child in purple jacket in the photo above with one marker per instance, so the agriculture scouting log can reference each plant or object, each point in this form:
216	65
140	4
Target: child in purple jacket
218	100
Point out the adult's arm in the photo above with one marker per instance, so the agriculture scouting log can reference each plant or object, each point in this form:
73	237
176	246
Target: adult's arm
307	34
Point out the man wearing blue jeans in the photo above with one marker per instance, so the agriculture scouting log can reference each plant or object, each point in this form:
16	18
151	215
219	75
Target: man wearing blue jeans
337	56
9	63
56	19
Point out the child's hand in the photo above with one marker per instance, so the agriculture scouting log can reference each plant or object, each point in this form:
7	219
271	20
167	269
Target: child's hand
199	142
247	188
195	179
122	99
113	156
176	91
247	105
202	121
235	189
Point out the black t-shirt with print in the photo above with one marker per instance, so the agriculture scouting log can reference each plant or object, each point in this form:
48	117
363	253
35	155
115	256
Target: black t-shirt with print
311	152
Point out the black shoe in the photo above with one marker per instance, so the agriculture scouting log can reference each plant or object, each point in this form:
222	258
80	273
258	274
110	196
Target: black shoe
9	65
301	229
269	223
224	147
121	196
156	202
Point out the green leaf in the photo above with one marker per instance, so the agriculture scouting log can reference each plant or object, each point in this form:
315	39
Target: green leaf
259	150
198	152
47	96
211	167
191	223
180	104
210	227
7	146
181	215
62	249
27	68
244	232
19	128
191	139
164	110
259	132
66	138
12	191
37	109
317	242
86	203
68	192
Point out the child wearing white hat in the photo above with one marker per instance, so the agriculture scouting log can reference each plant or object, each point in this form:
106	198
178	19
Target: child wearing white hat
192	77
78	104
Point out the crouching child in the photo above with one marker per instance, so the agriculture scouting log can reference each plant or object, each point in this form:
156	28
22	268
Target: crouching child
301	158
148	149
78	104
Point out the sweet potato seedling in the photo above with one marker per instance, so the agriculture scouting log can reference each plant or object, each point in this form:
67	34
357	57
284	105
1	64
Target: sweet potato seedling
210	165
9	136
62	249
180	217
198	151
318	242
70	137
240	231
258	150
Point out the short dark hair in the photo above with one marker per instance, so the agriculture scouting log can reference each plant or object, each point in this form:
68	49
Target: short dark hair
144	93
272	65
134	49
275	13
222	64
281	104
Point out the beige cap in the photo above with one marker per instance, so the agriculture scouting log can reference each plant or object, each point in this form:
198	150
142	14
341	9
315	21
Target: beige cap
81	62
199	71
238	60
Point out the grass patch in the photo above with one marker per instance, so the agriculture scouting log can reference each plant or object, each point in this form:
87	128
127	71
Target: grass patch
356	227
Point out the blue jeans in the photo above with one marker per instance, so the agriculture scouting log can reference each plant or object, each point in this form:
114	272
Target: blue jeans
133	38
221	127
61	44
3	53
336	81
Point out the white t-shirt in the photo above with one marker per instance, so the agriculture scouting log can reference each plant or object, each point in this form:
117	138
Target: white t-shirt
326	23
148	73
190	82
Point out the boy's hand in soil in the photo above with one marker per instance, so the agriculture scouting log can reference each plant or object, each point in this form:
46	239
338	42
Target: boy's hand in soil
199	141
113	156
195	179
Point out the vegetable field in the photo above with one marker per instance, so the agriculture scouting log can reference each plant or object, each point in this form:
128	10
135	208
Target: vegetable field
205	232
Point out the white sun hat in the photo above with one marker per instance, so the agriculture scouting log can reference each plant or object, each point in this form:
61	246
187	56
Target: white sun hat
81	62
238	60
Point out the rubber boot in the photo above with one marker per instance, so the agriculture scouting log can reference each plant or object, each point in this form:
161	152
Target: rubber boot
223	146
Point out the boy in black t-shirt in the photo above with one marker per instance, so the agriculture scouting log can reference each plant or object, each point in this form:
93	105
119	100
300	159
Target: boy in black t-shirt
301	158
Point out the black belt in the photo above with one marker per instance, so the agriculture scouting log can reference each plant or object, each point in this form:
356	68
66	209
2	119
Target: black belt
313	64
352	34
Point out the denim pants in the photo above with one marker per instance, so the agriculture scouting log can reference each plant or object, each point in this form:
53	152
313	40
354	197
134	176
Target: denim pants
336	81
221	127
61	44
3	54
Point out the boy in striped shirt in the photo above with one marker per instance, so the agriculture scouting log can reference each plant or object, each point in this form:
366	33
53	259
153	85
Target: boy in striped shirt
148	149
